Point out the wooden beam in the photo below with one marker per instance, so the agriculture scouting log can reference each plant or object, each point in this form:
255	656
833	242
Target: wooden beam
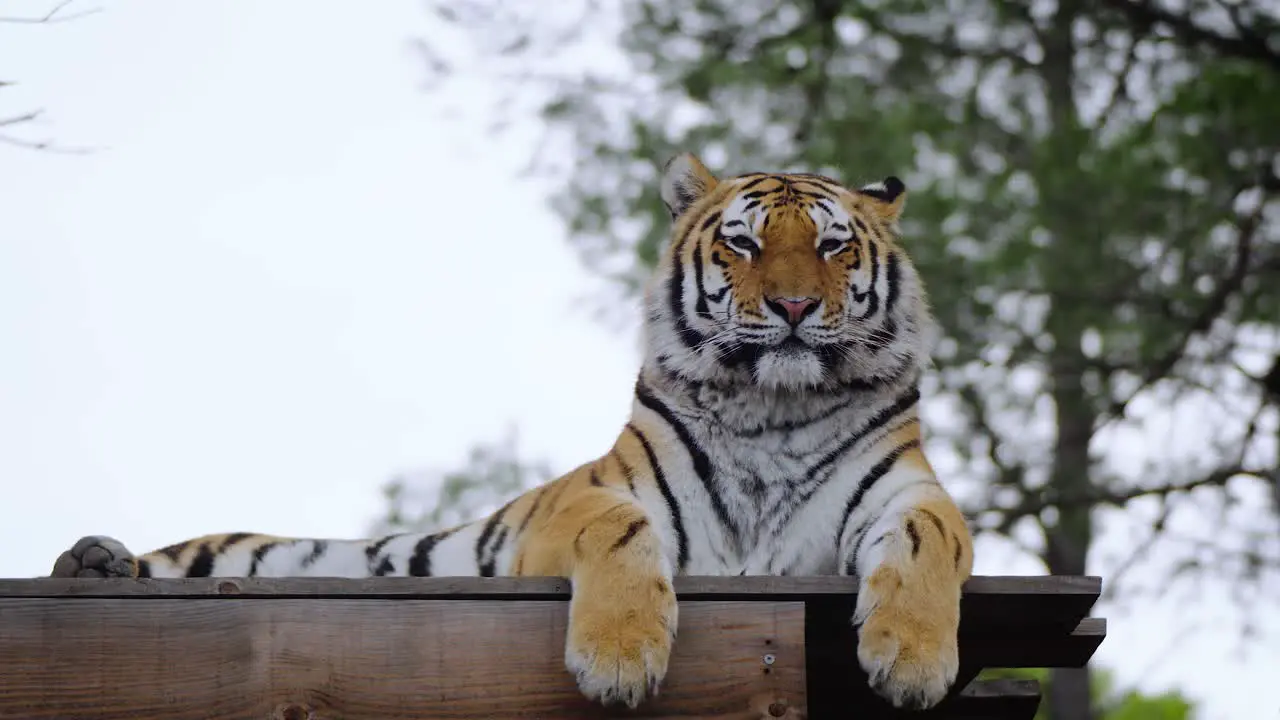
1076	590
987	699
326	658
380	646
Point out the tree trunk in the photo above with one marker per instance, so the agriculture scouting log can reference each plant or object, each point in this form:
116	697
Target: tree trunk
1066	214
1067	542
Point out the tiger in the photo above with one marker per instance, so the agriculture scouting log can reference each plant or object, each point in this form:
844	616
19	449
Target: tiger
774	430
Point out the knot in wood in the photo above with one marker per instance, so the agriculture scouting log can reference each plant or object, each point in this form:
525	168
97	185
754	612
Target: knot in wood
228	587
777	709
293	711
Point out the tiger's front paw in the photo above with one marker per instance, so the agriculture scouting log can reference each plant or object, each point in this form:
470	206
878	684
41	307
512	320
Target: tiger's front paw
907	642
96	556
620	639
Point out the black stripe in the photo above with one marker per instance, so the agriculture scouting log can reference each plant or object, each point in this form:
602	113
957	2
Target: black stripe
893	276
537	500
872	295
372	551
851	567
384	568
937	521
559	490
259	553
629	535
957	539
595	478
144	568
868	481
673	508
700	305
711	220
173	552
627	471
202	565
755	182
491	565
914	534
889	500
420	561
483	541
318	548
701	463
901	405
675	293
232	539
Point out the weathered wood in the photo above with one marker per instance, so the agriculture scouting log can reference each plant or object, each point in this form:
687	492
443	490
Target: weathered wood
836	680
1075	589
990	699
407	648
180	658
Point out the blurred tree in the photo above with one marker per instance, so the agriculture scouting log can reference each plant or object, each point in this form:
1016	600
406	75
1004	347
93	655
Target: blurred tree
429	501
1092	204
1109	703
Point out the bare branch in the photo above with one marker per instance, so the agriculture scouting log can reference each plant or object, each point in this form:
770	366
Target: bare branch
53	16
1212	310
1036	503
1249	45
19	119
1141	551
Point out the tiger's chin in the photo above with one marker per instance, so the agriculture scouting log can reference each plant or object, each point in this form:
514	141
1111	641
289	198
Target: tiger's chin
790	366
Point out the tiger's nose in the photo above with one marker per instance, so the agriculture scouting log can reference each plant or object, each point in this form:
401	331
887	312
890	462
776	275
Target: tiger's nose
793	310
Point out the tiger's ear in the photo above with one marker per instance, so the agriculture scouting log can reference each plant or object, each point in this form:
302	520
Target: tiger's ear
685	180
885	198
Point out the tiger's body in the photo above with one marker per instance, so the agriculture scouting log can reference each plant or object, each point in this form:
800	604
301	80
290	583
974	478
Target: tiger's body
774	431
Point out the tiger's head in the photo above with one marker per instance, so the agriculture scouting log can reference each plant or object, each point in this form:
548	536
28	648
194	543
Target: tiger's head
784	282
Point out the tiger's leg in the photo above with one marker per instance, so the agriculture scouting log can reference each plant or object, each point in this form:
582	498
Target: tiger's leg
912	560
622	614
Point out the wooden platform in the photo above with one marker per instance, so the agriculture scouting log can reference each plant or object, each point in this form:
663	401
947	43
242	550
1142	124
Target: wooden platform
417	648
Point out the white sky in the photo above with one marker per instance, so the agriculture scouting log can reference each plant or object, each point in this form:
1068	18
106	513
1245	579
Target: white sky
286	274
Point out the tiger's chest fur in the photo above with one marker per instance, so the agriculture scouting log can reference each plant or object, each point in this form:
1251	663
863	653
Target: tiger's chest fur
774	467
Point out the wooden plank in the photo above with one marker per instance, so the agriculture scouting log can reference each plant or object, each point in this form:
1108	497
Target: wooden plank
987	600
353	658
529	588
1032	648
836	679
992	700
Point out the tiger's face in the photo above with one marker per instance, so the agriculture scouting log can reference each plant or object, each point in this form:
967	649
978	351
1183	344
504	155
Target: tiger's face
784	281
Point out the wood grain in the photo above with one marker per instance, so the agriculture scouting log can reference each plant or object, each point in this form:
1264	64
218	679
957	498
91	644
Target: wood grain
356	659
772	588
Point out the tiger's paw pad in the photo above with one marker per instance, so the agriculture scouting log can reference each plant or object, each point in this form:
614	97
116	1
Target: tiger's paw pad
909	662
96	556
618	653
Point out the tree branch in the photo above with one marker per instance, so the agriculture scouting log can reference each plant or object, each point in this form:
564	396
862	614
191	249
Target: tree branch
1211	311
52	16
1249	45
1037	503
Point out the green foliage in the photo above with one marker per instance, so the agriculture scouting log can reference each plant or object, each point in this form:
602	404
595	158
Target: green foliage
429	501
1091	204
1108	702
1087	192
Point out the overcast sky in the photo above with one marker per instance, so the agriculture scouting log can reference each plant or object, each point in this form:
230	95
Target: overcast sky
285	274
